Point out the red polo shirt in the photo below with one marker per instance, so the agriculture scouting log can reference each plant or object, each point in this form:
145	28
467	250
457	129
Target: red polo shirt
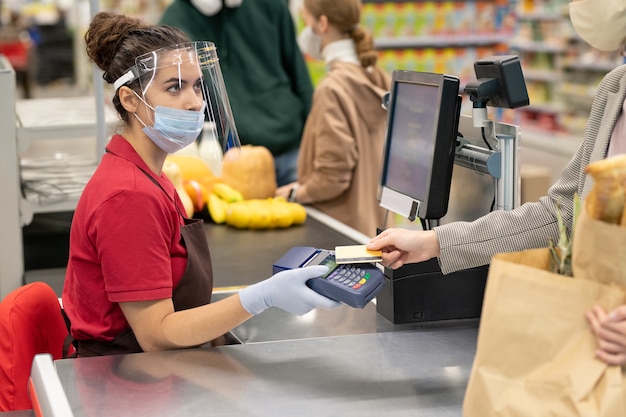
124	244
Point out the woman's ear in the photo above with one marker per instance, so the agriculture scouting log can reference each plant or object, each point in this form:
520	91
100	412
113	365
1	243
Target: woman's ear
322	24
128	99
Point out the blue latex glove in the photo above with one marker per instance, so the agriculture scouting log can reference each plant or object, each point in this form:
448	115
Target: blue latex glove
288	291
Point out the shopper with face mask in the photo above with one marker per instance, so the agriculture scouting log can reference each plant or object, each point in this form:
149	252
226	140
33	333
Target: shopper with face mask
461	245
342	144
139	273
268	83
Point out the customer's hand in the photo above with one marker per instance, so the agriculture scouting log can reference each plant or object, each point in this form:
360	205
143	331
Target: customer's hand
285	190
610	332
287	290
403	246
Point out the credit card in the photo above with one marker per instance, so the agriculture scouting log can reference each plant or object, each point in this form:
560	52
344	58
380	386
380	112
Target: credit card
352	254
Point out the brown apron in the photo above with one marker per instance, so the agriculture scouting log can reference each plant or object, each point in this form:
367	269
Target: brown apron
193	290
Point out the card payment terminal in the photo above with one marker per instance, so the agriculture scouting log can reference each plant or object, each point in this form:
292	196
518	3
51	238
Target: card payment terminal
352	284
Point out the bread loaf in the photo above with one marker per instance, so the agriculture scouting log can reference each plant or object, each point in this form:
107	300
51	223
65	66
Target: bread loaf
606	199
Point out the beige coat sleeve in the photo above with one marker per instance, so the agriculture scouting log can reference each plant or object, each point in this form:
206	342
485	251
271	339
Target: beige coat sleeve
335	154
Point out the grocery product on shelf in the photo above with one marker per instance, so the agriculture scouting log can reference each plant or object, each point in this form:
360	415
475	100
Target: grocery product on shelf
561	71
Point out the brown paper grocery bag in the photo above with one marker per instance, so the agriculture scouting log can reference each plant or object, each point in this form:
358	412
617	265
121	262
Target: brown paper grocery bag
599	251
535	351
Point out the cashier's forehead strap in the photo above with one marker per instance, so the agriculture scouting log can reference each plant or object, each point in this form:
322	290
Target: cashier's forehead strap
124	79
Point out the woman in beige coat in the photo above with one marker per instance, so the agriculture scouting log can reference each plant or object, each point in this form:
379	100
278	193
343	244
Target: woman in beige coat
342	144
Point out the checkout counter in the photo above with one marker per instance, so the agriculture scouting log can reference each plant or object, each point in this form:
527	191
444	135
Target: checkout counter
340	362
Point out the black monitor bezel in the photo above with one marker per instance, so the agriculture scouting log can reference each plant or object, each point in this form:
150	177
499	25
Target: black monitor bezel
434	205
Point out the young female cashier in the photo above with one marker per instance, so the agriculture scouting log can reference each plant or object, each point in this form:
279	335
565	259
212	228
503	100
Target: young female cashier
465	245
342	143
139	273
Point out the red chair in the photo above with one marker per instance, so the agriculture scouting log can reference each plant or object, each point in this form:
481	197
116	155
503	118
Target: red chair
30	323
16	52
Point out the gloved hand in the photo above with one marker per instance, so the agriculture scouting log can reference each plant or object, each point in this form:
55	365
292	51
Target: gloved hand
287	290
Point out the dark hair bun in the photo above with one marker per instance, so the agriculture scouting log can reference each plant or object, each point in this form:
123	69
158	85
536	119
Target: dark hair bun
105	33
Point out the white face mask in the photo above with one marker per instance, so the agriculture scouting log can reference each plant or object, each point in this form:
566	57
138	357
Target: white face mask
310	43
207	7
212	7
601	23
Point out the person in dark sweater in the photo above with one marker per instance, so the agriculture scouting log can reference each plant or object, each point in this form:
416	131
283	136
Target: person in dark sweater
267	80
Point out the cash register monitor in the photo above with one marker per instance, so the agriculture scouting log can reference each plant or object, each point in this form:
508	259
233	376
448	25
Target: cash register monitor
422	126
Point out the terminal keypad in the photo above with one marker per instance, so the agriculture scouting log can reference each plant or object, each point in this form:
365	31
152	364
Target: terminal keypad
350	276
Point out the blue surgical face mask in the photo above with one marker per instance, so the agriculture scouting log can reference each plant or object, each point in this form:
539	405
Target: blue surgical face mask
174	129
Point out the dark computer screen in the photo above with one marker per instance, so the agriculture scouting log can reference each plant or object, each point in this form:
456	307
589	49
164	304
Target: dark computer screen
422	128
413	129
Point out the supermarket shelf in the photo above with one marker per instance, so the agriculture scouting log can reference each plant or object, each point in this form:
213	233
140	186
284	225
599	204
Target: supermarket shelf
550	76
32	128
552	108
438	41
58	118
435	36
536	46
562	71
65	118
28	208
540	16
603	67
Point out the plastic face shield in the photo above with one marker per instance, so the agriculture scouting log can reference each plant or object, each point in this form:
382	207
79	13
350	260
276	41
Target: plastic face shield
192	65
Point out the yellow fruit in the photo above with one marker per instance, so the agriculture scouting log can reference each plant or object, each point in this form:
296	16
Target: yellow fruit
194	168
217	208
172	171
260	214
227	193
238	215
281	216
298	212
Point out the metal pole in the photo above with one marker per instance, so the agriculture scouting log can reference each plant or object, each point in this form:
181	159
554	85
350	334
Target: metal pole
98	88
506	184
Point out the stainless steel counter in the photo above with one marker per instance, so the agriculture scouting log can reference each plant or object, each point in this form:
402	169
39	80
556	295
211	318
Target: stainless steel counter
412	373
340	362
276	325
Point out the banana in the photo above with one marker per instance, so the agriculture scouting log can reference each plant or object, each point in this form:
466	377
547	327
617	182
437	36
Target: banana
227	193
217	208
238	215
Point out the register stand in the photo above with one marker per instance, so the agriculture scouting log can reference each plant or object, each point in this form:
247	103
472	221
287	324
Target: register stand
420	292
